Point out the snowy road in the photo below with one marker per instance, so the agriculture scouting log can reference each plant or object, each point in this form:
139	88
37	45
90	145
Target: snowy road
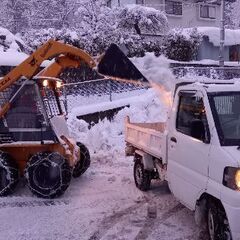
103	204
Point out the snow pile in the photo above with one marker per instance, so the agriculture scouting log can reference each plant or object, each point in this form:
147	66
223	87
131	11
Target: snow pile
232	37
107	138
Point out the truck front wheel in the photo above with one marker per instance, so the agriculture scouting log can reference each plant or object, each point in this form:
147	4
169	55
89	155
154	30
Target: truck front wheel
218	226
9	174
142	177
48	174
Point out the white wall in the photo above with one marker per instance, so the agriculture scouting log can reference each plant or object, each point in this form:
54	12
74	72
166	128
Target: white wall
191	18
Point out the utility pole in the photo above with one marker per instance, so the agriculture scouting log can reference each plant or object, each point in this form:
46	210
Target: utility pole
222	34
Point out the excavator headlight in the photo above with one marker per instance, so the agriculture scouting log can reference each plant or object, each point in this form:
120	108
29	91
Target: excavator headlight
45	83
58	84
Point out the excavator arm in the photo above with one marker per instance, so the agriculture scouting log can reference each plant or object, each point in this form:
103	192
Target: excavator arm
72	57
65	56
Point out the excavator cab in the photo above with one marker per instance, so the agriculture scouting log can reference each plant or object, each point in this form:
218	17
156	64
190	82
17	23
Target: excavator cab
35	102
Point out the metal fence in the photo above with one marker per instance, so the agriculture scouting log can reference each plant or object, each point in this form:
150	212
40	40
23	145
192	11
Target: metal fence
100	87
213	72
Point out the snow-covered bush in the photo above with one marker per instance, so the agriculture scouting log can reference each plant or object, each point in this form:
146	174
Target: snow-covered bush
182	44
138	19
36	37
139	26
94	27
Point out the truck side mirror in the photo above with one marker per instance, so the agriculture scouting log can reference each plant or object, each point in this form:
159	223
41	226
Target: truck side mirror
197	129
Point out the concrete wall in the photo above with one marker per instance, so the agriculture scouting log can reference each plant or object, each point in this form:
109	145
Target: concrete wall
208	51
190	13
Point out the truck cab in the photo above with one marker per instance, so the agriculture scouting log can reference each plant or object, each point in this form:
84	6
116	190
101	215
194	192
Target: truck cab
203	153
199	154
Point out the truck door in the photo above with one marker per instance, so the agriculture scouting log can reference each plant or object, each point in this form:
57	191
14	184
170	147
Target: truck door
189	147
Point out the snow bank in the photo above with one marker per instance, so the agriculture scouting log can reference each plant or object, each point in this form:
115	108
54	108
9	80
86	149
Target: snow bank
103	106
12	58
107	138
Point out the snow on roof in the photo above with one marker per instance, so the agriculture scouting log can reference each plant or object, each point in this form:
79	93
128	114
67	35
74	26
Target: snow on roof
136	8
232	37
11	58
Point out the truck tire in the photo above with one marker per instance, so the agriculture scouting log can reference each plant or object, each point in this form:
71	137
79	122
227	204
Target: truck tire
84	161
48	174
9	174
218	227
142	177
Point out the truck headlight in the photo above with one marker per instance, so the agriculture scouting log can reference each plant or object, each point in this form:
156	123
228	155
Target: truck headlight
231	178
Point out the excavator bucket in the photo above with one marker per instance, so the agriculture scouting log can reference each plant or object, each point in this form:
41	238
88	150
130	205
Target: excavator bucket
115	64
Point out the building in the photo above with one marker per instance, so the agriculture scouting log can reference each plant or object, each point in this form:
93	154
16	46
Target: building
181	13
209	47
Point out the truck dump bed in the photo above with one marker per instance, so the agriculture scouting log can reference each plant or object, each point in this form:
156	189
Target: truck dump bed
151	138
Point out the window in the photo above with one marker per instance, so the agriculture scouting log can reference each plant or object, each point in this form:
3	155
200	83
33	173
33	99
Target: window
226	113
207	11
191	117
173	7
109	3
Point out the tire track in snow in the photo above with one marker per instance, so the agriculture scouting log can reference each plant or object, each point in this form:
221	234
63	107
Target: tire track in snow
113	219
150	222
35	203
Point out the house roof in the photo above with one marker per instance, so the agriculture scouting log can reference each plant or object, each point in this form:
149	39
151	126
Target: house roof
232	37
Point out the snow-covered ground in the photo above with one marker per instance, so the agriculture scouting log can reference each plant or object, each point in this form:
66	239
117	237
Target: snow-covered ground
103	203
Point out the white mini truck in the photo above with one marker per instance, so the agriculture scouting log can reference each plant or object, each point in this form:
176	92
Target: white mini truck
197	151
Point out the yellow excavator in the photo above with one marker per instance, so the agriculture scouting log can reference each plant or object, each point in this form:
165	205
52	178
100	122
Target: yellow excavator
34	138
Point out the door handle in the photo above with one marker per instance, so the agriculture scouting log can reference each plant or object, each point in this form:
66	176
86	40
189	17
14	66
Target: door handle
173	139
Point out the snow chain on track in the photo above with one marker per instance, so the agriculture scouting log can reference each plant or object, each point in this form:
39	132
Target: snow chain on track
56	168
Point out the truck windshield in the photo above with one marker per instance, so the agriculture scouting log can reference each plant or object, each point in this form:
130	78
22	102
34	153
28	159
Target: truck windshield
226	112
